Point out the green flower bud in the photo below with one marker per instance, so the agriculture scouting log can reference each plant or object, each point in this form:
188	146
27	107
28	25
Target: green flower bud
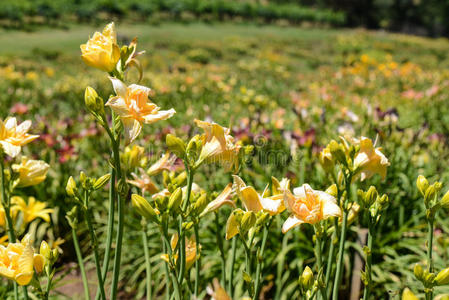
175	145
418	271
180	180
370	196
175	199
445	200
93	102
144	208
100	182
72	217
429	195
442	277
422	184
71	188
248	220
306	279
332	190
337	152
200	204
45	250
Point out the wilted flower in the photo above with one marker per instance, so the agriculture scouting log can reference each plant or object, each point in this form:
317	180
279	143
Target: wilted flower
31	210
218	145
134	108
31	172
101	51
190	253
222	199
13	136
217	292
164	163
370	160
143	182
255	202
308	206
17	260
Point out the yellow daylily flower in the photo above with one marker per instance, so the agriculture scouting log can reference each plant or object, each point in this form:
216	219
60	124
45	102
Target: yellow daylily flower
14	136
164	163
252	201
223	199
101	51
217	292
308	206
143	182
17	261
134	108
370	160
31	172
218	145
407	294
31	210
191	255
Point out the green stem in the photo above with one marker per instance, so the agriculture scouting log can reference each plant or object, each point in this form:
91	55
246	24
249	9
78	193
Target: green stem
222	253
198	260
174	278
147	261
368	264
341	253
167	275
330	259
182	245
341	249
231	273
120	225
79	256
319	260
108	246
430	220
260	262
94	242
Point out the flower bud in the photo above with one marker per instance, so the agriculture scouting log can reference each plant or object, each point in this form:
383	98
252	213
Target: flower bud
71	188
93	102
193	148
45	250
429	195
262	218
407	294
337	152
38	263
422	184
175	199
306	279
418	271
326	160
248	220
200	204
175	145
332	190
442	277
370	196
100	182
181	179
445	200
72	218
144	208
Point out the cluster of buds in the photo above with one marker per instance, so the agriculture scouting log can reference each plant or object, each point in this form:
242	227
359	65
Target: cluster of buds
245	223
133	157
358	157
373	202
87	184
430	193
430	279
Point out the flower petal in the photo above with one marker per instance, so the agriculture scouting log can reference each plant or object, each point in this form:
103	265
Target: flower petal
291	222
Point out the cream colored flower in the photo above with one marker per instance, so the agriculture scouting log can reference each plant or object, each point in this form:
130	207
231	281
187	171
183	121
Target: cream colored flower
252	201
14	136
101	51
31	172
218	145
134	108
164	163
308	206
370	160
